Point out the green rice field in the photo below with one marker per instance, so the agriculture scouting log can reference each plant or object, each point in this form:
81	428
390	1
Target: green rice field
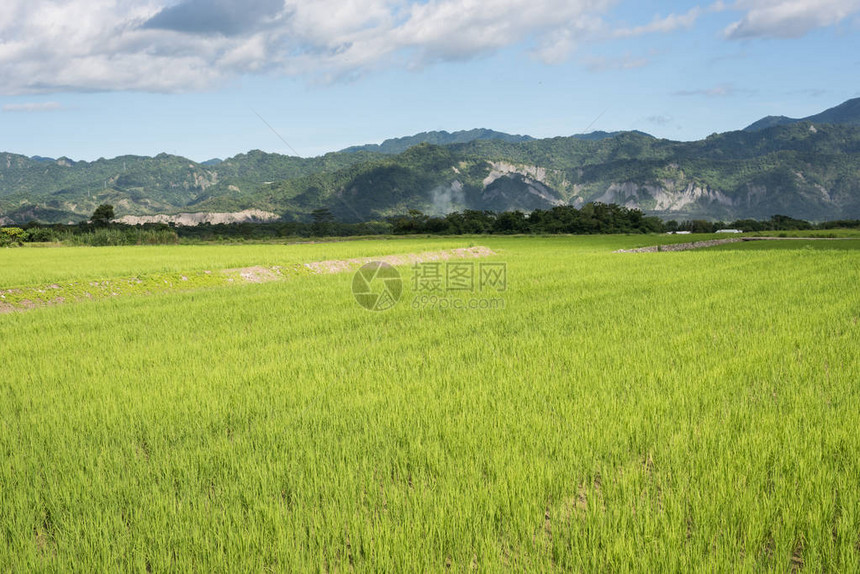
847	244
617	412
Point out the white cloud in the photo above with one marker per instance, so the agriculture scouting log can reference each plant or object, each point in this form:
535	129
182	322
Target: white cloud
659	120
626	62
664	25
786	18
188	45
556	45
719	91
33	107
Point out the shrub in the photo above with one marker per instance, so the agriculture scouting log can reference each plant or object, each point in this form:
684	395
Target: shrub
42	235
10	236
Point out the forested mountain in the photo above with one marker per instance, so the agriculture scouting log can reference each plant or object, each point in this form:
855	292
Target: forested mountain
399	145
64	190
846	113
798	170
802	169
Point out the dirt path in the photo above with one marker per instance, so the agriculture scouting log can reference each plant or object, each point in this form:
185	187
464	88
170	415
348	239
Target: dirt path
340	266
260	274
26	298
680	246
713	242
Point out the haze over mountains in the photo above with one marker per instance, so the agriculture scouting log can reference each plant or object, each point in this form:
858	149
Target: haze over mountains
807	168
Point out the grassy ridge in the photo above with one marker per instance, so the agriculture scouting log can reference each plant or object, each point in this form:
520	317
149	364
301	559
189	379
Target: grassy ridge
37	266
791	244
666	411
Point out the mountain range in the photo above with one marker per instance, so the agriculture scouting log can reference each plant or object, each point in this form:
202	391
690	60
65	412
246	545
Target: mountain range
846	113
399	145
807	168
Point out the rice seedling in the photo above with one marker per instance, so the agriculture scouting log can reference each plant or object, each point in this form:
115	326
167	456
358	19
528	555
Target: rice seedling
653	411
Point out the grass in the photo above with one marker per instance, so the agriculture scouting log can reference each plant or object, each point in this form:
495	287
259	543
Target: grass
826	233
663	411
41	265
792	244
36	265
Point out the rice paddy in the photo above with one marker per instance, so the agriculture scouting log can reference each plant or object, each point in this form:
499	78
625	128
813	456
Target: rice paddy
679	411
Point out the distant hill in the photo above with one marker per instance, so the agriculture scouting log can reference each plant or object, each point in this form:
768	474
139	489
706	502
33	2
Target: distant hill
799	169
399	145
601	135
63	190
846	113
791	170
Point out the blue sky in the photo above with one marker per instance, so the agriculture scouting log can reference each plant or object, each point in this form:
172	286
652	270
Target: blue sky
102	78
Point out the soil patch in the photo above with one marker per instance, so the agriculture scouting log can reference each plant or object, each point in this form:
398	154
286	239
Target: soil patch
344	265
25	298
713	242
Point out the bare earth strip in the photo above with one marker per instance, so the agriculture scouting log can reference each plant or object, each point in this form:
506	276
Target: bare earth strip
713	242
25	298
340	266
679	246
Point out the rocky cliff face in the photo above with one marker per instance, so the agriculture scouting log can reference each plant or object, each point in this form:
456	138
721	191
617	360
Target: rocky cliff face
524	187
664	197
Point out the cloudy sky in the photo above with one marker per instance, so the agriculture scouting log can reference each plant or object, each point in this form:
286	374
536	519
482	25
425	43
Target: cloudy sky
212	78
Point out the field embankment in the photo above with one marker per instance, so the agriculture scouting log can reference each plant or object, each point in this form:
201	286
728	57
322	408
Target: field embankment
26	298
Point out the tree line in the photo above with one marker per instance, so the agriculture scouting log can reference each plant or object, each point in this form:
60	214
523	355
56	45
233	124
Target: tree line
591	218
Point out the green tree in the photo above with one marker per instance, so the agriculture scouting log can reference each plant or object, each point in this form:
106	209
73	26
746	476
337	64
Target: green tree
103	215
323	222
511	222
12	236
